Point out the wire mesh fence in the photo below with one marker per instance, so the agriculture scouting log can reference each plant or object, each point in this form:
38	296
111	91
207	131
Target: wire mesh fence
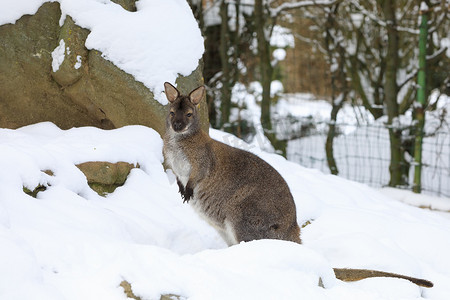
362	154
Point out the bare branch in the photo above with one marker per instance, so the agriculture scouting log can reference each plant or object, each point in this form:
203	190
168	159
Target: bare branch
381	23
274	12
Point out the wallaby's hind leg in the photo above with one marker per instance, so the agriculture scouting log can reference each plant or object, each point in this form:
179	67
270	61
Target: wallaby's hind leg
254	223
294	234
254	227
228	233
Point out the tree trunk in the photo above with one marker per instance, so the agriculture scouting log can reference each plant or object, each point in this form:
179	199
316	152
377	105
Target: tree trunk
335	53
330	136
421	101
265	69
225	105
264	64
390	94
237	36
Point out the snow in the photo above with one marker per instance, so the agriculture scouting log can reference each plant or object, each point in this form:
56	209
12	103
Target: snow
12	10
212	13
279	54
156	55
423	6
58	55
70	243
419	200
282	37
78	63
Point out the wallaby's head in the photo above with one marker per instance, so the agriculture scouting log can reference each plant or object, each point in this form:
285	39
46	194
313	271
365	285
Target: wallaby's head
183	116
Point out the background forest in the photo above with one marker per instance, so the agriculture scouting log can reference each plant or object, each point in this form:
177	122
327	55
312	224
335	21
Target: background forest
362	53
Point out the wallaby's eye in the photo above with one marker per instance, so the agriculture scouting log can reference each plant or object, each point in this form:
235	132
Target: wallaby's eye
172	113
189	115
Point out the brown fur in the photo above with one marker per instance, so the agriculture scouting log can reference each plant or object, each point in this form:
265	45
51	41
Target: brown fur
238	193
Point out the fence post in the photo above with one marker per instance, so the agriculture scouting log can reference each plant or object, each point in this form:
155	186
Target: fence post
421	98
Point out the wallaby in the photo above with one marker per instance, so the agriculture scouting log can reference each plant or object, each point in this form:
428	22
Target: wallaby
238	193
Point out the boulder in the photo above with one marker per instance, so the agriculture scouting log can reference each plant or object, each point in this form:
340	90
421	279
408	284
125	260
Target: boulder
129	5
104	177
40	188
86	89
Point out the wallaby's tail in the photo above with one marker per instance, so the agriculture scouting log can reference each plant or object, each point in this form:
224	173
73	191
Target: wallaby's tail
358	274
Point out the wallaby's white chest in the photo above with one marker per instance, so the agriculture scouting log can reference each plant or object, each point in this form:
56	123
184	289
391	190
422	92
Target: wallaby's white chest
177	161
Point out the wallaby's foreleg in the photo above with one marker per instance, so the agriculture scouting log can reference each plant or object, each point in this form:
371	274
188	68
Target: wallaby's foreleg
186	192
196	175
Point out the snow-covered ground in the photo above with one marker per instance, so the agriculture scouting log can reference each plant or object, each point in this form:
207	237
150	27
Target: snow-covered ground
70	243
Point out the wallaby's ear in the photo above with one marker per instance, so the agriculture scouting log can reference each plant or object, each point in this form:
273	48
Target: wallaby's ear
171	92
196	95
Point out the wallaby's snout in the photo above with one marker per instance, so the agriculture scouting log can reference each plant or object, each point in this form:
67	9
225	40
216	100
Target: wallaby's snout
181	115
179	122
177	126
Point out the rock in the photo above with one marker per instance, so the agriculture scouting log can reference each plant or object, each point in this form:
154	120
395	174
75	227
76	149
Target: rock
33	193
28	94
86	90
75	57
104	177
129	292
129	5
170	297
40	188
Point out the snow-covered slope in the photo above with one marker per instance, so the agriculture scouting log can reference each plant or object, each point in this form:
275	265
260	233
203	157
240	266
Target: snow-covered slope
70	243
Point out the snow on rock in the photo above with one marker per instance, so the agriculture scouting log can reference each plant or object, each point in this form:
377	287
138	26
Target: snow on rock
78	63
12	10
70	243
58	55
155	56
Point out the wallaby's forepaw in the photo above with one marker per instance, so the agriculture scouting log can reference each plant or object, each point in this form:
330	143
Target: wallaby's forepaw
187	195
180	187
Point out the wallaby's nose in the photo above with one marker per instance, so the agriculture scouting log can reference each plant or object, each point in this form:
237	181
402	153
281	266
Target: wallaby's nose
177	126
